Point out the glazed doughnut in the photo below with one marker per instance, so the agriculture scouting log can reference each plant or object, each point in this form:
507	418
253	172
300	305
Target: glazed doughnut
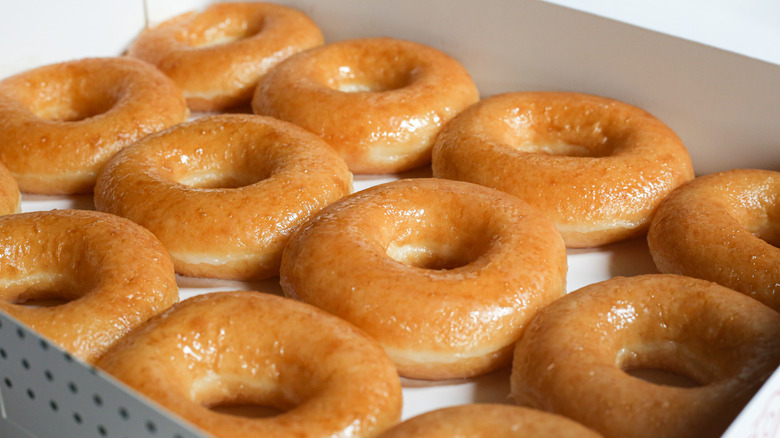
254	348
106	274
444	274
216	56
489	421
10	198
572	359
224	193
725	228
379	101
60	123
598	167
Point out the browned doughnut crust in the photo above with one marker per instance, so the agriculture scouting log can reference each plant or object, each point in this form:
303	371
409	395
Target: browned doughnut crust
723	227
224	193
10	198
444	274
489	421
217	55
572	357
598	167
254	348
112	273
379	101
60	123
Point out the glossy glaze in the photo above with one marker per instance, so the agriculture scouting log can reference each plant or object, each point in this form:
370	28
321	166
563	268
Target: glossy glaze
597	167
217	55
723	227
10	198
489	421
444	274
60	124
224	193
379	101
222	348
109	274
572	358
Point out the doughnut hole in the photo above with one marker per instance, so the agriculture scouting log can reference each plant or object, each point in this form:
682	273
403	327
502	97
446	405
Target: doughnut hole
211	168
231	395
661	366
567	130
366	69
68	101
758	211
53	282
448	244
224	26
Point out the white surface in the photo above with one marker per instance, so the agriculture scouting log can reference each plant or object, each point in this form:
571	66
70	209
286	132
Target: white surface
720	103
749	27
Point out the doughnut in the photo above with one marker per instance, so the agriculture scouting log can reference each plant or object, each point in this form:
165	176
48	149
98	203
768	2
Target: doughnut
223	193
596	166
217	55
574	358
101	276
60	123
488	421
10	198
444	274
250	348
723	227
379	101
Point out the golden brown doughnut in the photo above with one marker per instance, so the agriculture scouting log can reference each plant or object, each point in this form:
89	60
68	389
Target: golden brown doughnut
60	123
489	421
572	359
216	56
111	274
723	227
444	274
598	167
379	101
224	193
253	348
10	198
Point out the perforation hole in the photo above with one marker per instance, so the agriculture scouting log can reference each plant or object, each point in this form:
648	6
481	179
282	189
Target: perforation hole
25	364
8	382
73	388
30	394
77	418
54	406
3	354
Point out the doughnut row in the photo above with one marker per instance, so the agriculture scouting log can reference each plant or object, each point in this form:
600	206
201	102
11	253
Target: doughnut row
449	277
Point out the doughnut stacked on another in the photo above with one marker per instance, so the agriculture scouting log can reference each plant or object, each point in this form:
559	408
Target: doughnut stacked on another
597	167
379	101
217	56
572	359
111	274
10	198
723	227
328	377
224	193
444	274
60	123
489	421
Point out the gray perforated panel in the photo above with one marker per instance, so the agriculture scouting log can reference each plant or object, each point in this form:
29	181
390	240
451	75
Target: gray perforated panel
44	392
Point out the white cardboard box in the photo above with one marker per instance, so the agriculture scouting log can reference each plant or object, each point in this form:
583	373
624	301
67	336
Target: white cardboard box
723	105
